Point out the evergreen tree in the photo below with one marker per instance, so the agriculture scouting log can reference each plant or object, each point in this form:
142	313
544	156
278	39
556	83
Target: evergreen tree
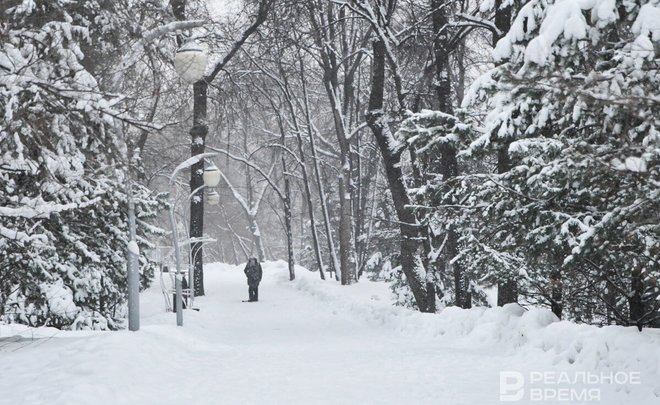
63	167
576	216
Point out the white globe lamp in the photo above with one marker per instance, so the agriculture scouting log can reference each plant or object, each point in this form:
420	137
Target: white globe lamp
213	198
211	176
190	61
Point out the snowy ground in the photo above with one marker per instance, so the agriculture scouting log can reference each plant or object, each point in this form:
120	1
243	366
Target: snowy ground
312	342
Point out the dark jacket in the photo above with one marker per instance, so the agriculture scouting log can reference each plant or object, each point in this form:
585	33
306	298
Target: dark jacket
253	272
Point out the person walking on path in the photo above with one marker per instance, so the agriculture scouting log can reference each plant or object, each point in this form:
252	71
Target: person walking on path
253	272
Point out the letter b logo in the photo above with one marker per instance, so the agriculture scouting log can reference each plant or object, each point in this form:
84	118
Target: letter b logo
512	385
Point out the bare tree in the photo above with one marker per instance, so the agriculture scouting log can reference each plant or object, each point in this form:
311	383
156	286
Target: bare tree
340	41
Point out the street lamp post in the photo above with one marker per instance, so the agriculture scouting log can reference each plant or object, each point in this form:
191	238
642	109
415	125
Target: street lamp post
213	198
132	267
210	180
190	63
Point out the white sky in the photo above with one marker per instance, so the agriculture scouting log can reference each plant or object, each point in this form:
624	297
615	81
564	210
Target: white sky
224	8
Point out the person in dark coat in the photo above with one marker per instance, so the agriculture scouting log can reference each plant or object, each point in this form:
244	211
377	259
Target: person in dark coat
253	273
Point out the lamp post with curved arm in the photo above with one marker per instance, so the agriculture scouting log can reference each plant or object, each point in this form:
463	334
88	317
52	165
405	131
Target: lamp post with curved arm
210	180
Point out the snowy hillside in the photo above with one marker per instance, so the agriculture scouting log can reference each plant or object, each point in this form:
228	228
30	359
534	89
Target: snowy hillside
310	341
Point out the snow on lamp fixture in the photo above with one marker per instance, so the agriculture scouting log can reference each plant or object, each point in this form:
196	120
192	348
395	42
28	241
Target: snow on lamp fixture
211	176
190	62
213	198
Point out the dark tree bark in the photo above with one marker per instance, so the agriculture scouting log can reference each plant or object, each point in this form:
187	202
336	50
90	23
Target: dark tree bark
368	171
507	289
448	163
310	205
556	293
286	203
411	262
332	251
305	174
197	146
327	27
636	299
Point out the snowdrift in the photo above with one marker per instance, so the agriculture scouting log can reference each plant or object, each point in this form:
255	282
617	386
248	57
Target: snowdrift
512	330
313	331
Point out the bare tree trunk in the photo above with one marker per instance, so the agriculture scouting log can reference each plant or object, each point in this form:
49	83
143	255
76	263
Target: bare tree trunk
460	76
310	206
357	205
431	263
346	248
334	261
556	293
284	85
636	299
610	298
372	214
325	35
255	232
507	290
287	215
221	252
368	172
256	238
231	237
448	164
411	262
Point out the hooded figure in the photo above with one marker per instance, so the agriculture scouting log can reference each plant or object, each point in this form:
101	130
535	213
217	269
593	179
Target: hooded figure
253	273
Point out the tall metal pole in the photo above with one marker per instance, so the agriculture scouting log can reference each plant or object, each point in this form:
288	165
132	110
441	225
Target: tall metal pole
178	301
133	266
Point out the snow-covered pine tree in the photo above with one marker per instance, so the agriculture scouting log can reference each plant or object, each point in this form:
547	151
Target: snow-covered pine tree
425	132
578	211
63	205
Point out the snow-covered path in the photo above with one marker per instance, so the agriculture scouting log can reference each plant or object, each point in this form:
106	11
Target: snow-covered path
291	347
